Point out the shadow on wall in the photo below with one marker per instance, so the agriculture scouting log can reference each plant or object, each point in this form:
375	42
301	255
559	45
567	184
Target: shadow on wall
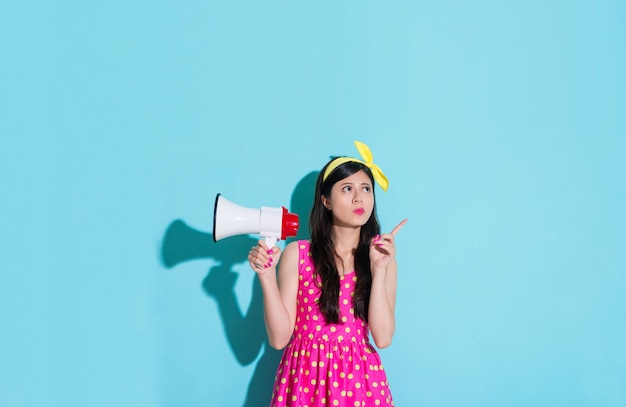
245	333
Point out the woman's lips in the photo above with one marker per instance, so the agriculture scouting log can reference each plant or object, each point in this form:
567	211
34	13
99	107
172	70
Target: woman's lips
359	211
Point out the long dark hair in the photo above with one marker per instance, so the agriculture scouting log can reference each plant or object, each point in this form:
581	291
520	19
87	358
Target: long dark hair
323	249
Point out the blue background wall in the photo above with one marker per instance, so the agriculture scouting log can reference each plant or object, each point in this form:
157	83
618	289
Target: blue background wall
501	126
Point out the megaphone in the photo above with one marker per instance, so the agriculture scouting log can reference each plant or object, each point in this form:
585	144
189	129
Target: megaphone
273	224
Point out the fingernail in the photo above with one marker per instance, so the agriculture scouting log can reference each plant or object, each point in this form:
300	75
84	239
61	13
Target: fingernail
270	251
376	238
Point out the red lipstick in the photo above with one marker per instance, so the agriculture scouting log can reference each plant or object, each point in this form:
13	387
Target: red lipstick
359	211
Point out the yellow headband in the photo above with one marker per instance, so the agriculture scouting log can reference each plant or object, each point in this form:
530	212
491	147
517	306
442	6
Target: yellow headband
369	163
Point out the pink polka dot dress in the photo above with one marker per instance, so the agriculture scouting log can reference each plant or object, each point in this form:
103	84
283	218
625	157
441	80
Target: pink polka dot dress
328	364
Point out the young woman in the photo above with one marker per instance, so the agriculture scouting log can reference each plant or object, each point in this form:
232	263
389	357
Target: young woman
331	292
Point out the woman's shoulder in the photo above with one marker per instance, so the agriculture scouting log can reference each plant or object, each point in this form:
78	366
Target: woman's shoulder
298	245
299	249
292	249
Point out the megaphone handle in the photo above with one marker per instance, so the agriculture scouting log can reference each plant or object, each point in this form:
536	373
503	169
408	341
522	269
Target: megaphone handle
270	241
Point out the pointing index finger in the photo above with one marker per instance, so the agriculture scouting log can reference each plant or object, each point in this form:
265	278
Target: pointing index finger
397	228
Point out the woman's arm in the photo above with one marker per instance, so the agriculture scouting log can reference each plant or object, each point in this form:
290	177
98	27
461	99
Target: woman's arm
382	306
279	292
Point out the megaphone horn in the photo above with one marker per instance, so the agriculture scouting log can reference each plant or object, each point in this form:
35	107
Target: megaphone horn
273	224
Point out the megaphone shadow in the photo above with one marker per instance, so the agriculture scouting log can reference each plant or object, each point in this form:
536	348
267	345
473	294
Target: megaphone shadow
245	333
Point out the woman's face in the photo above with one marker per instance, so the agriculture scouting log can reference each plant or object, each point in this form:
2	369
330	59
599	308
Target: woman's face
351	200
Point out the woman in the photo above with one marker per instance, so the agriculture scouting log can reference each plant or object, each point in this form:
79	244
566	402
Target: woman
331	292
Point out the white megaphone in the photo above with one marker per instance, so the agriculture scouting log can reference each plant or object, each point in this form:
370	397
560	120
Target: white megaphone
273	224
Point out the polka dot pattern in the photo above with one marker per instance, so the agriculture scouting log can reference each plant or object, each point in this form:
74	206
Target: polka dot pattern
328	364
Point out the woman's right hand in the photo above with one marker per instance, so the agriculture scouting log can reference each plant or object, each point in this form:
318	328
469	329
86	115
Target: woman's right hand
262	258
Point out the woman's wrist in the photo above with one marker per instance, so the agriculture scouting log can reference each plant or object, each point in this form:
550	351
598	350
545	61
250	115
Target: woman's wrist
267	273
378	270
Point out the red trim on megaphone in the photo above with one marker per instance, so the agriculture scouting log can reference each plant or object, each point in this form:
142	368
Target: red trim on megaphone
290	224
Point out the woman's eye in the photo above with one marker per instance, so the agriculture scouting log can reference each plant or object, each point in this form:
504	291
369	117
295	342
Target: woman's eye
347	188
367	189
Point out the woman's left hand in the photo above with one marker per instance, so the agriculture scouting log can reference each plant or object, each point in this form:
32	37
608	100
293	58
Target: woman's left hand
383	248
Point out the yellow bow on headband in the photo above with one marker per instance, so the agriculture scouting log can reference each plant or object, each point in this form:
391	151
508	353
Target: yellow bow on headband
368	161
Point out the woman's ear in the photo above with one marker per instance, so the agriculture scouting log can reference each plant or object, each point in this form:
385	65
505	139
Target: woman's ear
325	202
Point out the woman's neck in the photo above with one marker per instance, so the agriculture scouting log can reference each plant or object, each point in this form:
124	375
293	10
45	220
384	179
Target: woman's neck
346	241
